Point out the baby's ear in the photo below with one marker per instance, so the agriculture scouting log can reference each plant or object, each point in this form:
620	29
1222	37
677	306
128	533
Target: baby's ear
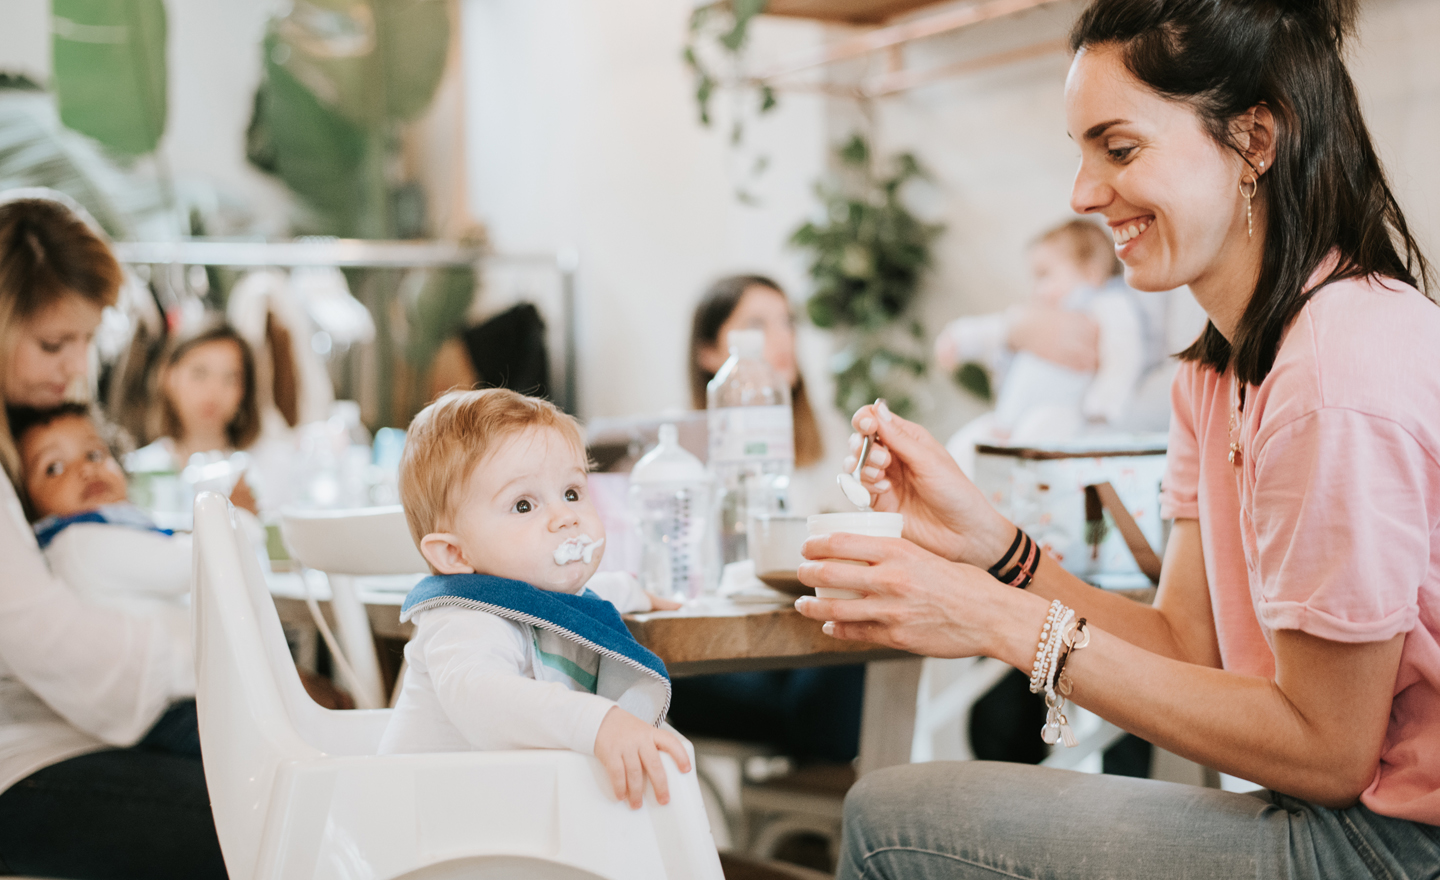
442	551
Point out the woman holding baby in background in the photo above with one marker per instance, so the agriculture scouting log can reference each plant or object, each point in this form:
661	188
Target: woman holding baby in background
1295	638
87	787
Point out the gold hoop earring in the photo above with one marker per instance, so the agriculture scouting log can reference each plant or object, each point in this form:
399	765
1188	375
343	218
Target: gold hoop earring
1254	184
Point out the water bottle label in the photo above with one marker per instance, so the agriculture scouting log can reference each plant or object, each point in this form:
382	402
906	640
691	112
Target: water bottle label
751	433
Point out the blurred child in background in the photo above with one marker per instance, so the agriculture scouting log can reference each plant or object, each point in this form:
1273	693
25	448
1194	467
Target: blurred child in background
205	403
1067	360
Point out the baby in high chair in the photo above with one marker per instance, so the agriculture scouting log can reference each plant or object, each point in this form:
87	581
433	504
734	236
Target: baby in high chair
518	642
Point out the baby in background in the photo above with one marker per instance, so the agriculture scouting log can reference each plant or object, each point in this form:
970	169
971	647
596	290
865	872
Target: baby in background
518	642
1072	356
107	549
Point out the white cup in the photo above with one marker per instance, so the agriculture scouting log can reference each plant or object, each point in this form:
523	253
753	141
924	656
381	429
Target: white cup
871	523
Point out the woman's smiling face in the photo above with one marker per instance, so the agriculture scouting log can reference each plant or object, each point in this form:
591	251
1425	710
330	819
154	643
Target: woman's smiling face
1167	190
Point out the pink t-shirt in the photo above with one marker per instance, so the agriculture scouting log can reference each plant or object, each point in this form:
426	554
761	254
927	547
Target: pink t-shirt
1328	524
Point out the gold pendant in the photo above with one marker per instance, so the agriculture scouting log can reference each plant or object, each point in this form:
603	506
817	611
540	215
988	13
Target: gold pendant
1234	453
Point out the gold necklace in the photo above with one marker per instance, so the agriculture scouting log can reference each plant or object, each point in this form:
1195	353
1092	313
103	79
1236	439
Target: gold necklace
1237	409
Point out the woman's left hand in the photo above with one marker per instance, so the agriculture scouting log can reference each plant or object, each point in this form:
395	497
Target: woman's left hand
914	600
242	497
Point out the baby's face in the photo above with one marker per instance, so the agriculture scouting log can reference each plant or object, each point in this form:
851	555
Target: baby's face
1054	273
69	469
525	513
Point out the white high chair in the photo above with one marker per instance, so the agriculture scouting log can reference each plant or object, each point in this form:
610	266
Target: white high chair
345	544
299	792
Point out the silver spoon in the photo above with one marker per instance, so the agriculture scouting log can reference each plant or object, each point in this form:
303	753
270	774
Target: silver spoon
850	483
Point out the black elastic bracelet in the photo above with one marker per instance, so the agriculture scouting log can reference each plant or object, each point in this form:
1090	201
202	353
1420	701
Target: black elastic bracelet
1026	561
1009	554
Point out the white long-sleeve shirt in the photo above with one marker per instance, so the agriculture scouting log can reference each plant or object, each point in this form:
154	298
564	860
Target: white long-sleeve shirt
473	682
74	676
142	572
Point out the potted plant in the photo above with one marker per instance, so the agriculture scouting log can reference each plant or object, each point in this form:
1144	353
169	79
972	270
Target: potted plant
868	256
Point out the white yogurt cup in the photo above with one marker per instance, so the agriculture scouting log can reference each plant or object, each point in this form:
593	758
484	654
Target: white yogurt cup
871	523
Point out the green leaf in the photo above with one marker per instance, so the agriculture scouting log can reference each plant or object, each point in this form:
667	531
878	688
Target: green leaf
821	313
37	150
704	87
340	77
110	72
315	150
856	151
974	378
767	99
437	312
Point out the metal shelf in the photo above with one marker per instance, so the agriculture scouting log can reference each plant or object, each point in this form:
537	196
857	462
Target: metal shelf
345	252
366	253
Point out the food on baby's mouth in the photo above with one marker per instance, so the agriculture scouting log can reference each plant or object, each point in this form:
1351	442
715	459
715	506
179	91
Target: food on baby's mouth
580	548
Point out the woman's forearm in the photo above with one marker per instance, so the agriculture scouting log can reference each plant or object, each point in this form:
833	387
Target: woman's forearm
1179	623
1314	733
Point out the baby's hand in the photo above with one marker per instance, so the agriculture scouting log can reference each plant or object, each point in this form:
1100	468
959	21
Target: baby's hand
659	604
630	750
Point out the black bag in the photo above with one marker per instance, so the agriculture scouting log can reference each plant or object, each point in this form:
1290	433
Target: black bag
508	351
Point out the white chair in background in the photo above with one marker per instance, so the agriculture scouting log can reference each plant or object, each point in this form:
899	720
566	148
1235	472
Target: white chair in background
346	544
298	791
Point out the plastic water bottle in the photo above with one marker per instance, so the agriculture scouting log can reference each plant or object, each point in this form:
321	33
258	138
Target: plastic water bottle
670	498
752	439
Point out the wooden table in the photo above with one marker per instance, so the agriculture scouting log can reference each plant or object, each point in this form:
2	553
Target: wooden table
710	637
720	636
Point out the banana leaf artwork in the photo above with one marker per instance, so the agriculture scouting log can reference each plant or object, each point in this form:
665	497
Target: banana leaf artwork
109	71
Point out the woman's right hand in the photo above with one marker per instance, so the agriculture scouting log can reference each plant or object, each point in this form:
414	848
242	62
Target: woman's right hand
911	473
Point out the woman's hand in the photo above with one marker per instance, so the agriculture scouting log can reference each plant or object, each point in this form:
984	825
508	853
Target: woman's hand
914	600
911	473
242	497
660	603
1070	339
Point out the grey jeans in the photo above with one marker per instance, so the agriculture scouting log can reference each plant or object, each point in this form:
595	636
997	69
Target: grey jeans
984	820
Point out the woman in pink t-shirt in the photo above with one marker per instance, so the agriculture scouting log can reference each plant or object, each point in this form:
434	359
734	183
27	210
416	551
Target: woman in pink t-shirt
1293	641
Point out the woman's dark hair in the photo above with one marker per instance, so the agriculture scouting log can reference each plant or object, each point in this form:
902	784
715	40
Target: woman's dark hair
47	253
1326	190
716	306
245	427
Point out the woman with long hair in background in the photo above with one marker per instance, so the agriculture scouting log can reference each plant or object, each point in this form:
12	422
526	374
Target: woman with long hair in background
82	792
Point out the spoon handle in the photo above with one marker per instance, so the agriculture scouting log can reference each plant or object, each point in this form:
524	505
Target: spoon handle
864	455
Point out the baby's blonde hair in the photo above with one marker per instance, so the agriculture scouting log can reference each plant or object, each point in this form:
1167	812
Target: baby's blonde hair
1090	246
450	436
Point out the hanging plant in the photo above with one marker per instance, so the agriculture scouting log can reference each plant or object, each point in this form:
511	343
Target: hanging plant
714	52
867	258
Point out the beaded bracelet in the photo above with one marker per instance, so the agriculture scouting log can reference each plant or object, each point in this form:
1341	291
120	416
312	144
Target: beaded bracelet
1017	567
1060	636
1048	647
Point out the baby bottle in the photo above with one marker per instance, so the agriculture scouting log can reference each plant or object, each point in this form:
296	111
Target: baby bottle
670	499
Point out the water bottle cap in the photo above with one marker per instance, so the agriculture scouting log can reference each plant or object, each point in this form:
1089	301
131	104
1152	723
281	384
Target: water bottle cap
669	462
746	343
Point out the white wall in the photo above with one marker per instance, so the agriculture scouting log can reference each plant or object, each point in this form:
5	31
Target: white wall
582	131
1004	166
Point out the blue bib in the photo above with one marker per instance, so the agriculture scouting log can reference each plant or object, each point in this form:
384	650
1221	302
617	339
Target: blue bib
109	514
628	673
